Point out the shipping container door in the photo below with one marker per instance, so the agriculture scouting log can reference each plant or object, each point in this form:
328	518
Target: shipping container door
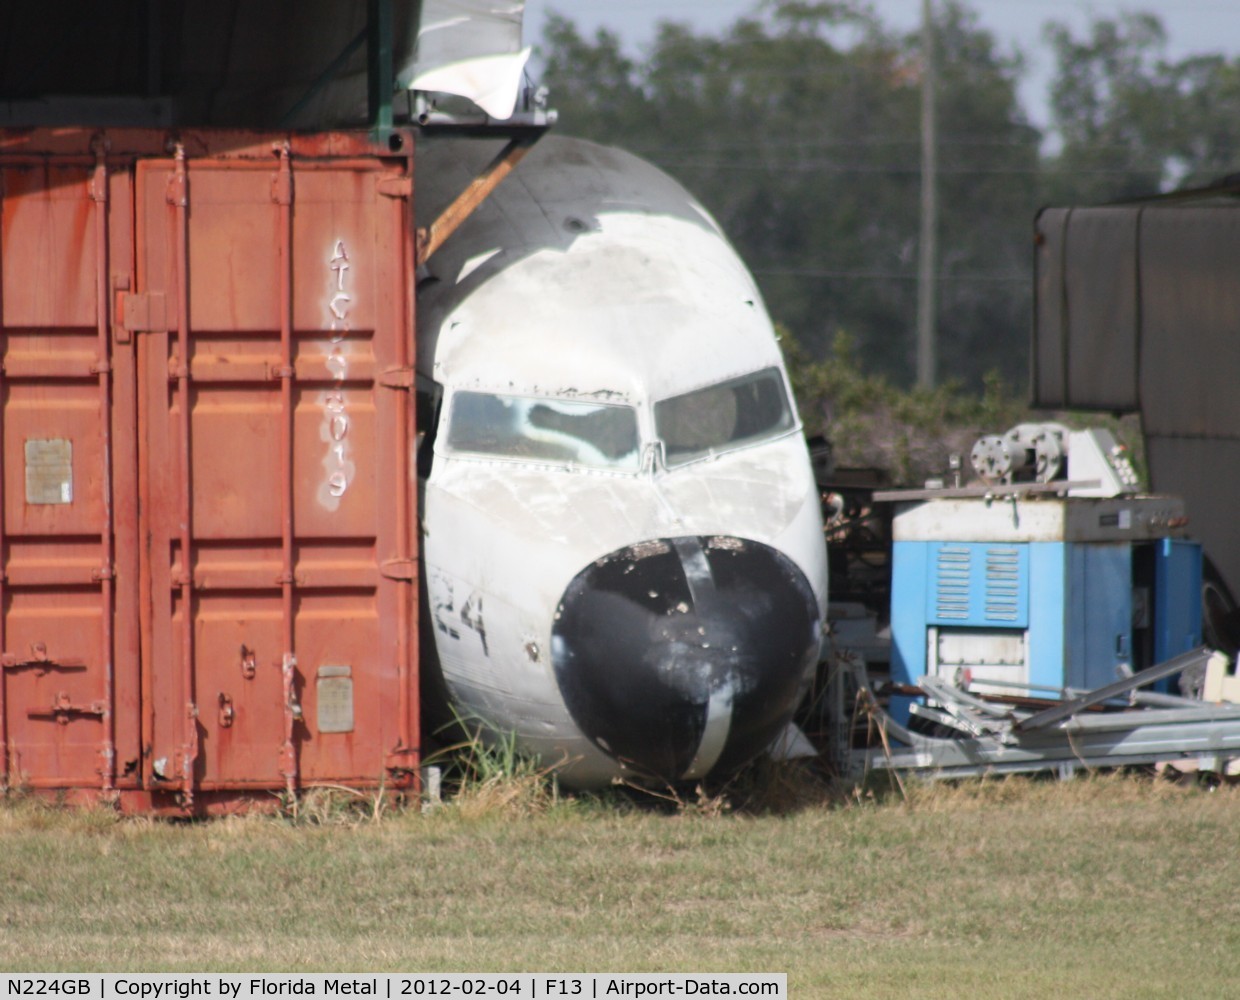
276	425
68	549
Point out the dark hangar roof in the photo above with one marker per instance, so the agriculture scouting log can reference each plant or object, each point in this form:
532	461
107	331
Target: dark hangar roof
254	63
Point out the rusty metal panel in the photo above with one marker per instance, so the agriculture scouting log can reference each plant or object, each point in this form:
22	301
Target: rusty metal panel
68	617
195	601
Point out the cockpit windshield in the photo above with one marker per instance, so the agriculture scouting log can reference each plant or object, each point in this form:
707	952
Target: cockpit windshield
560	431
723	416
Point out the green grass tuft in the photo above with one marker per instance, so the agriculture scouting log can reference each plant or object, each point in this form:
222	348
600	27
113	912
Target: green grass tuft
485	773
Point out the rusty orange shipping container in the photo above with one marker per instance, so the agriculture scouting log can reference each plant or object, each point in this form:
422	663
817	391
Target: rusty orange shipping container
208	559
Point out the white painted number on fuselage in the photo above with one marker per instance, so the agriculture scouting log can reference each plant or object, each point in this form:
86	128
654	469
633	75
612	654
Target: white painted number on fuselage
453	623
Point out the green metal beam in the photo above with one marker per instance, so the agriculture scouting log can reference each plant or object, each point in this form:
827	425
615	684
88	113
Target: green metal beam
323	79
380	74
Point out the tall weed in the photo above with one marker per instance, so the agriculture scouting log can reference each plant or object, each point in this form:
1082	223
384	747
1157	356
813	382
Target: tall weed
486	773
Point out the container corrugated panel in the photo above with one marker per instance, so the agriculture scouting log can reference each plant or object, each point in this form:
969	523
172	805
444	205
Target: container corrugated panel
209	562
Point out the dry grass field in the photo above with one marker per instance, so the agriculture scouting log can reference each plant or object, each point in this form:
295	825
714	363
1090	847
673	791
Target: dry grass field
1101	887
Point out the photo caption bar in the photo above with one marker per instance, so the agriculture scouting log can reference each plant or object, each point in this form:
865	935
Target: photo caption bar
390	986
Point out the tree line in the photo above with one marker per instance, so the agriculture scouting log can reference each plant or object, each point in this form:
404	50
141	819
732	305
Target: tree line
798	128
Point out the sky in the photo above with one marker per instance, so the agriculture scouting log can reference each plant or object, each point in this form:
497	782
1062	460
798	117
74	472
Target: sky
1193	26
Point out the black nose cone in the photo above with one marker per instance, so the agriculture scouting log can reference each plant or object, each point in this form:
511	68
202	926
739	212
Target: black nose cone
685	655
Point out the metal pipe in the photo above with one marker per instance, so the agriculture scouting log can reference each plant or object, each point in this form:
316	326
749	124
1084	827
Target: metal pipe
99	194
405	318
142	356
284	197
178	195
478	190
4	720
928	251
380	76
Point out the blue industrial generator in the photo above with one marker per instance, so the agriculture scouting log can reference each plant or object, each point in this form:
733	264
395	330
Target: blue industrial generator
1048	584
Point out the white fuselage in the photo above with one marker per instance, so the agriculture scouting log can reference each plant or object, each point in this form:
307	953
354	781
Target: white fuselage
573	329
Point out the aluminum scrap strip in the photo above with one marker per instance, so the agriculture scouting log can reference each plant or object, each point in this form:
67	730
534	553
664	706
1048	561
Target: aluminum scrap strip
1161	700
1057	713
909	762
959	718
1151	717
950	693
1139	744
1022	686
959	723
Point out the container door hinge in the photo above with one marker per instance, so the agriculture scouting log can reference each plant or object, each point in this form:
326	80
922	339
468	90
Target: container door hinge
402	761
399	569
228	712
99	184
141	312
397	378
177	191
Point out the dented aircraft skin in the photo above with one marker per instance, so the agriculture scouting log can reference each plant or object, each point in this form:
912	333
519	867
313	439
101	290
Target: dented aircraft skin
622	545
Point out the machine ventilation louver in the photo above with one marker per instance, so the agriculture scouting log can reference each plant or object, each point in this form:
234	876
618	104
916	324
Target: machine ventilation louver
1002	585
979	584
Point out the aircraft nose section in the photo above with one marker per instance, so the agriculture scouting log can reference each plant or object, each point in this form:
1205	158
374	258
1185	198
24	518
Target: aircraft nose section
682	655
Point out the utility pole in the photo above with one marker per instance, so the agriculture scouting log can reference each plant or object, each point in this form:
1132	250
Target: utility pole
928	250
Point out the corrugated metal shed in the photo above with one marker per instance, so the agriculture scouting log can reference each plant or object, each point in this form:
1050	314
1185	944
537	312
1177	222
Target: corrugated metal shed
1138	309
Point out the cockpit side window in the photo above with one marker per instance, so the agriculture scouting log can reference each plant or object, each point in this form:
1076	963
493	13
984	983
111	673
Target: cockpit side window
723	416
560	431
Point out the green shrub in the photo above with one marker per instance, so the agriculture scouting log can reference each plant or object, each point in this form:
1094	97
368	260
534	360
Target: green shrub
911	433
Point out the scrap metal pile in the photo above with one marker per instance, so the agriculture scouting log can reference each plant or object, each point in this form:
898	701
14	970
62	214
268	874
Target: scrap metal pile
961	733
